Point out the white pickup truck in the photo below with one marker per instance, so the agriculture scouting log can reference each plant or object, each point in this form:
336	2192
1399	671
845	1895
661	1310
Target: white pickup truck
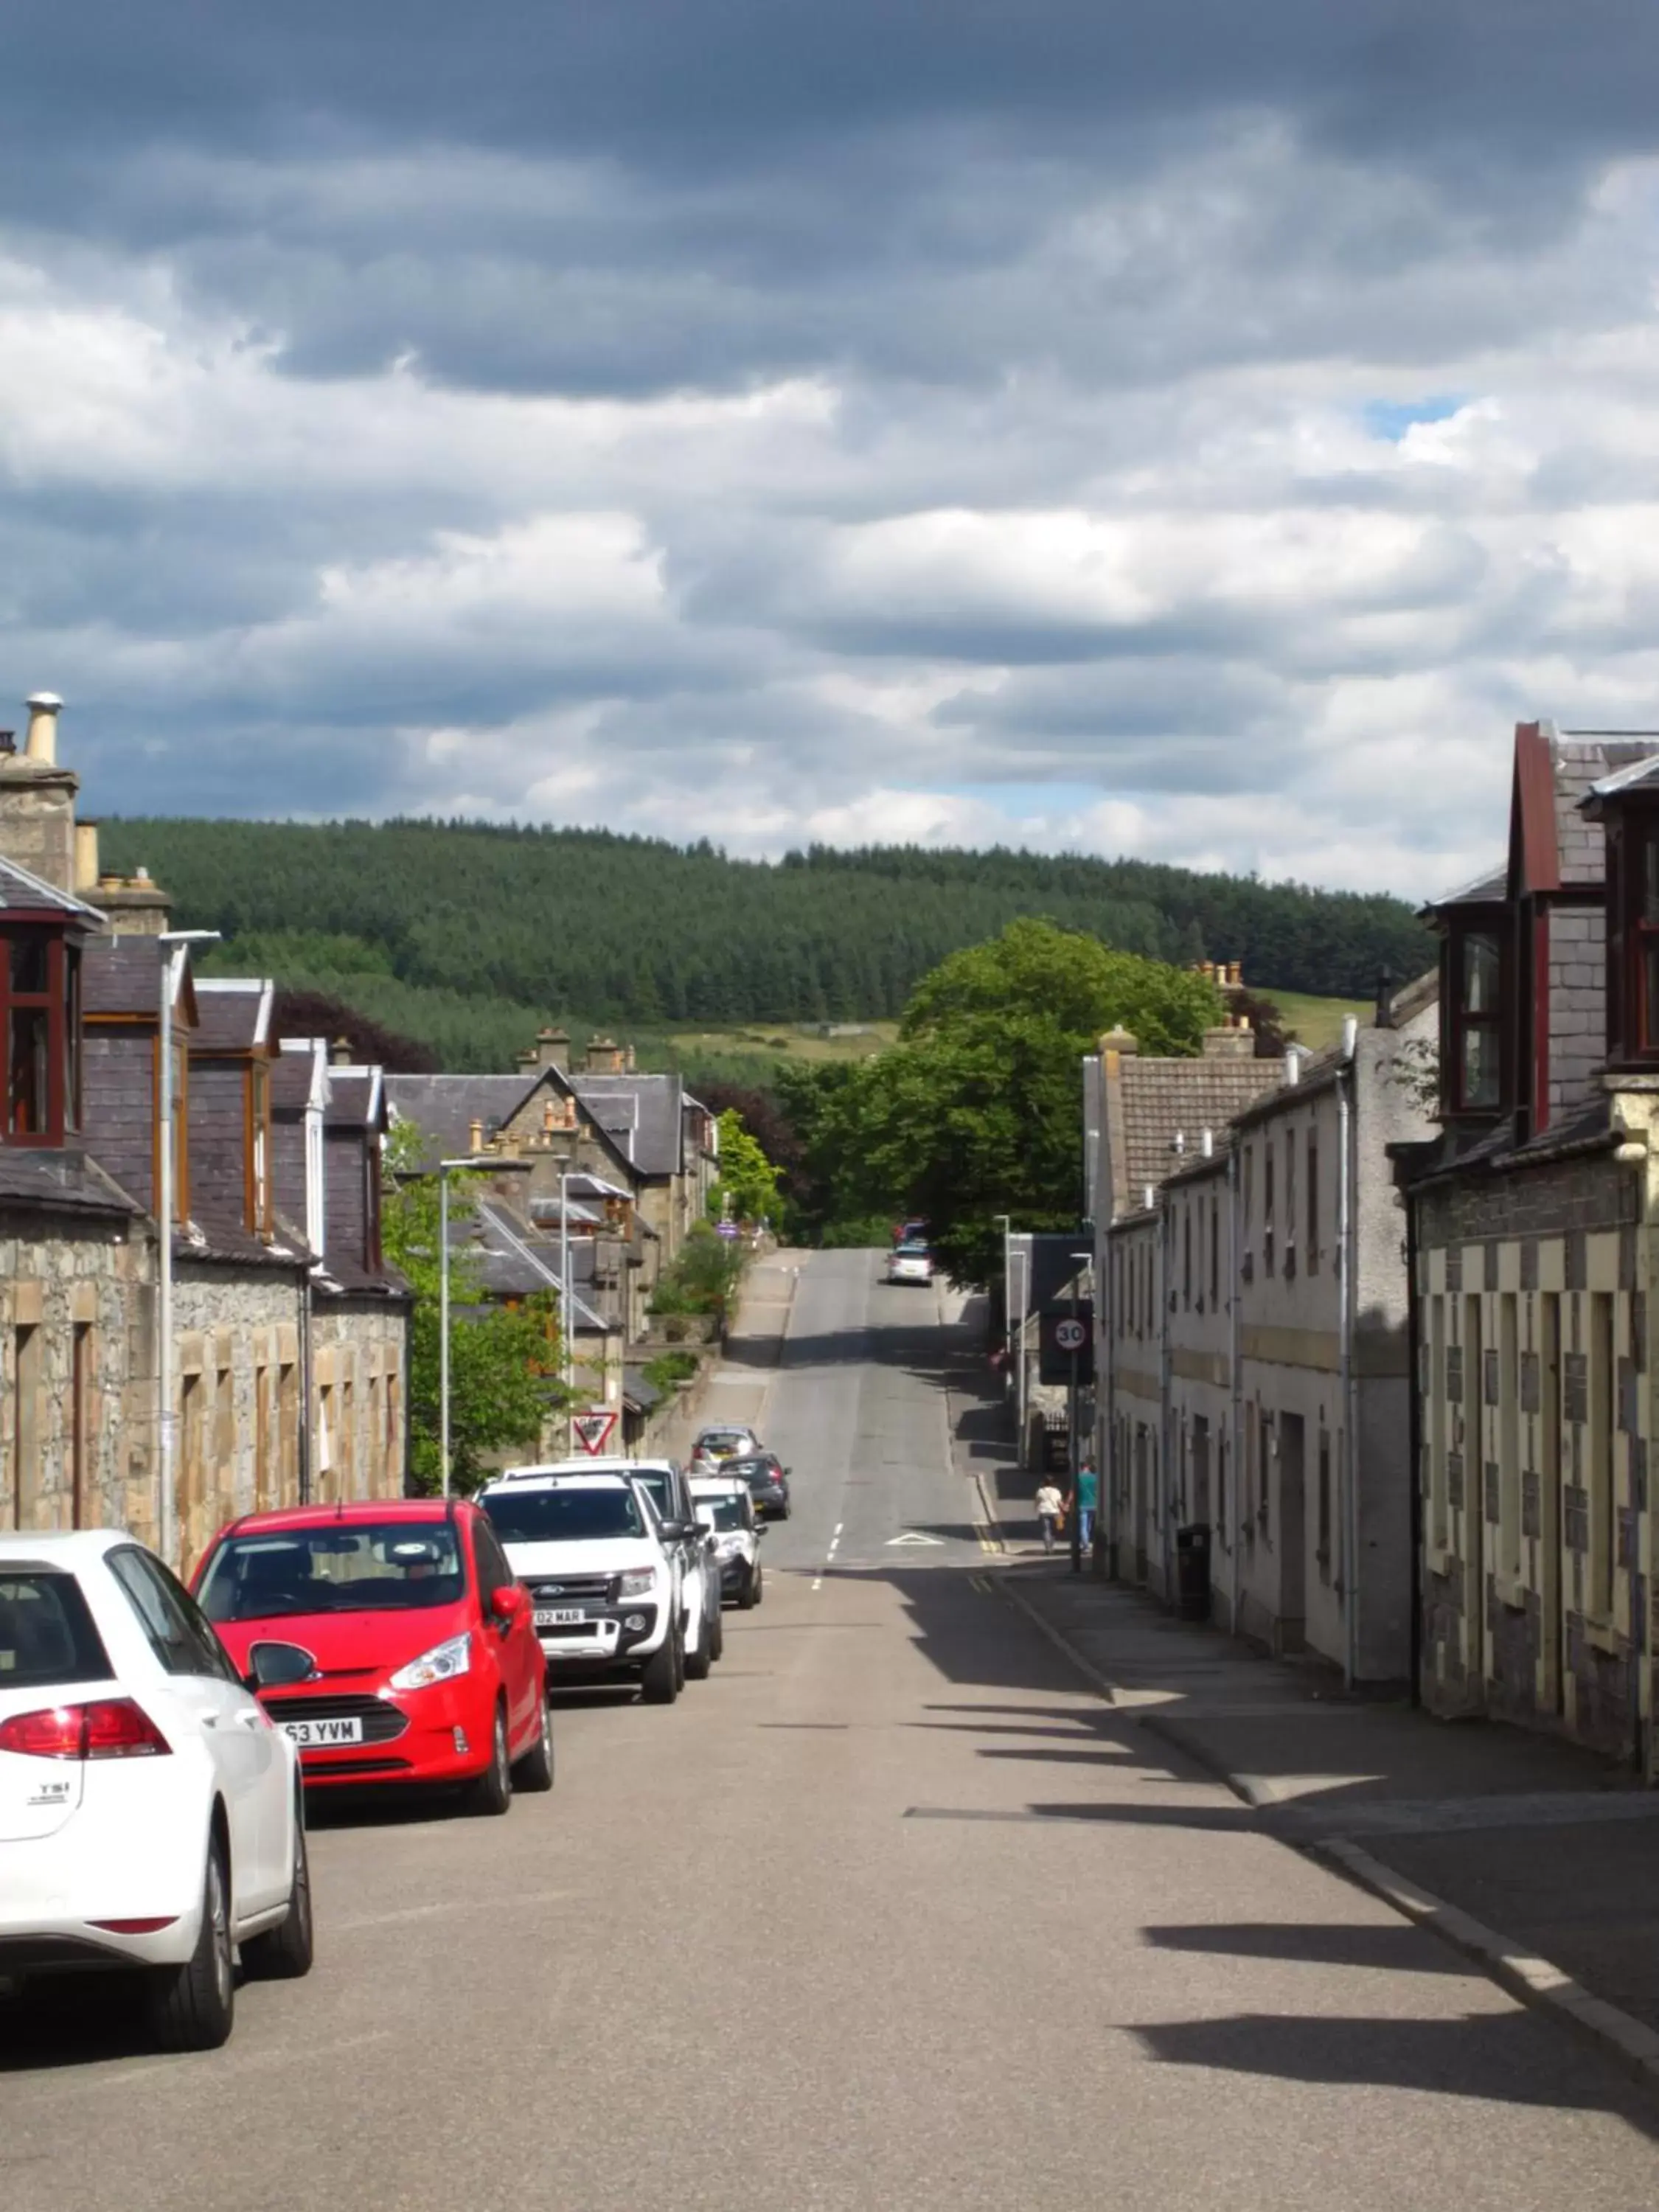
602	1571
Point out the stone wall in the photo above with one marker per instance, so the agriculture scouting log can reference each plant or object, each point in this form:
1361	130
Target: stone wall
239	1395
359	1354
77	1357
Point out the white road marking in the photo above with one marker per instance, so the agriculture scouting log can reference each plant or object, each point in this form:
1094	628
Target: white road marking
913	1536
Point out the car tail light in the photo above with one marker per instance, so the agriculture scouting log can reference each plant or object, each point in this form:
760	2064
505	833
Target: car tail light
109	1728
152	1926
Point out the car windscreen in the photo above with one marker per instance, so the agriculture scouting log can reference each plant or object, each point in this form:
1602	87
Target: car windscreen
47	1634
563	1517
391	1567
723	1440
723	1513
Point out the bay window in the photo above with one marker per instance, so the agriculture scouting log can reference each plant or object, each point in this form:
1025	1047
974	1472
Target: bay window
1474	1006
40	1026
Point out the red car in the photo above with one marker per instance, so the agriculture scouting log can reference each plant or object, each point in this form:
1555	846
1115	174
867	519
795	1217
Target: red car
392	1642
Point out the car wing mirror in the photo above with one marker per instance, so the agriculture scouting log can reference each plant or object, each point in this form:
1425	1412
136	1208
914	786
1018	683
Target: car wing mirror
507	1602
278	1667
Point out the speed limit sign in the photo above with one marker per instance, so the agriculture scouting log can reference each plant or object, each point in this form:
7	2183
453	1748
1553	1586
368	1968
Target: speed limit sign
1071	1335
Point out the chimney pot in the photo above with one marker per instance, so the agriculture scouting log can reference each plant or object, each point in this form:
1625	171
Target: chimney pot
41	742
475	1134
340	1052
1350	1035
1120	1041
1292	1065
1206	1143
7	741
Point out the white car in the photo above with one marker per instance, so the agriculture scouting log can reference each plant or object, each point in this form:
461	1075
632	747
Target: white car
725	1508
602	1571
150	1814
910	1263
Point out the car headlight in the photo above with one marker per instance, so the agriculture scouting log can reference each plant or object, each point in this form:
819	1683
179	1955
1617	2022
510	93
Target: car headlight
636	1582
441	1664
726	1545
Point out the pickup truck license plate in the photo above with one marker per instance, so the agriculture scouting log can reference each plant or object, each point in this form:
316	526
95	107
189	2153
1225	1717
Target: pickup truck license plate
560	1618
317	1735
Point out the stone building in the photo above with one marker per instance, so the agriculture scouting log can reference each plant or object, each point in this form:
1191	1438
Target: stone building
80	1160
1531	1235
1255	1357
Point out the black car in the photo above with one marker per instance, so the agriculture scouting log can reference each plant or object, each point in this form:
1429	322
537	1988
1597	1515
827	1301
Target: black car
767	1480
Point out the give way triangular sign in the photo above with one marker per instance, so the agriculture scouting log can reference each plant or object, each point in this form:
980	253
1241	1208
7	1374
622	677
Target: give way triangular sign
593	1429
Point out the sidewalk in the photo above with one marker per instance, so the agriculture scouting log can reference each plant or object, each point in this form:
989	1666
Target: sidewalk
734	1386
1513	1833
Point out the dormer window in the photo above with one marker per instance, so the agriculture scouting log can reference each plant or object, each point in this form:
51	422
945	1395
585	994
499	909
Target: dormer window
39	1020
1476	1058
1633	846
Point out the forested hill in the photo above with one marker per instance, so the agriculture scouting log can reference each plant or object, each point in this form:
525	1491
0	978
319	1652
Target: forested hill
628	928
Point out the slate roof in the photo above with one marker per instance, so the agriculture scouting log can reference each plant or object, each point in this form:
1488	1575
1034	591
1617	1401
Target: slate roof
445	1107
354	1099
642	1112
233	1014
121	975
1640	776
1162	1098
292	1076
216	1237
513	1262
1580	764
20	889
65	1182
1489	888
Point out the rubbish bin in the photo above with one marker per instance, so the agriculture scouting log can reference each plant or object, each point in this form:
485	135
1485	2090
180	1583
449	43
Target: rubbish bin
1193	1571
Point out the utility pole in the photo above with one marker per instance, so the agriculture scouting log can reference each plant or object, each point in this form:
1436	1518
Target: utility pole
445	1168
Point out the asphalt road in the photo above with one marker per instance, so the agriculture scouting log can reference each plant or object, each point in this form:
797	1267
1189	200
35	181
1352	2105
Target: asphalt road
891	1914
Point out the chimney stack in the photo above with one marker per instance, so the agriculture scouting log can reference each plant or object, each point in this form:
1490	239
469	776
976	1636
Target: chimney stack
605	1056
1234	1040
41	743
553	1049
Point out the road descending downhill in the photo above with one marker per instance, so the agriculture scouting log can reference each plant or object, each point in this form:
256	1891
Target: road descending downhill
893	1914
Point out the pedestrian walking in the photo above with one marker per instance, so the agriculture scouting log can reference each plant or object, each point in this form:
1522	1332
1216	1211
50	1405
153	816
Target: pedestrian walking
1088	1492
1049	1507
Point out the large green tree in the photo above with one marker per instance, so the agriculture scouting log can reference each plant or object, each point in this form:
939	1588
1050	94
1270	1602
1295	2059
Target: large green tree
978	1111
504	1362
748	1178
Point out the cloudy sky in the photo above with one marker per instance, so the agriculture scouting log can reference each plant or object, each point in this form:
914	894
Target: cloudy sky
1190	429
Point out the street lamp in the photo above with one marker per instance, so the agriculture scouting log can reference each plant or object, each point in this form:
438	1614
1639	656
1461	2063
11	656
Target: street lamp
1079	1261
566	1318
444	1169
176	945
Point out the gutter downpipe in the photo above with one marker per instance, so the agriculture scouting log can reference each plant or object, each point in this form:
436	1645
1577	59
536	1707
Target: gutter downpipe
1235	1369
307	1426
1166	1487
1345	1388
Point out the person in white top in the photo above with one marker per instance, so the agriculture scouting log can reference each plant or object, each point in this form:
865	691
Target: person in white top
1050	1508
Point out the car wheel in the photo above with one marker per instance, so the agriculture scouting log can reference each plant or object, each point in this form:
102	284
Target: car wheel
534	1771
284	1954
660	1679
193	2007
717	1635
492	1793
680	1675
749	1595
760	1582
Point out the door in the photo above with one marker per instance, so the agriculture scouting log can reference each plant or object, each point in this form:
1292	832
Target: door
1293	1533
1201	1470
518	1653
253	1775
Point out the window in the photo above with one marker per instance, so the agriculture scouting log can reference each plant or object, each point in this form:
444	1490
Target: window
1311	1257
1600	1483
1215	1253
1323	1553
1477	1038
1633	935
1187	1253
1509	1436
39	1018
175	1625
1267	1206
1290	1202
494	1573
353	1567
47	1636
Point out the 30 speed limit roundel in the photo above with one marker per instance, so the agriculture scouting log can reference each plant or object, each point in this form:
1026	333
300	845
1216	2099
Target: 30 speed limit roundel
1071	1335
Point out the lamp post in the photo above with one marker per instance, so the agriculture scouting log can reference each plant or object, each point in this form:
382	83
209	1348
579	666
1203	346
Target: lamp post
567	1314
1007	1287
444	1168
1079	1261
175	945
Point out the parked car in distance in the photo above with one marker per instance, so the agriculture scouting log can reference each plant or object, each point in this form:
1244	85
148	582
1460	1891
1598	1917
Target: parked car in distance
715	1446
602	1573
910	1263
912	1231
701	1622
150	1815
391	1643
767	1481
727	1509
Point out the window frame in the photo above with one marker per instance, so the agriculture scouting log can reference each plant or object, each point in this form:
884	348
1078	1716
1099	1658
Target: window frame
1632	831
1484	925
59	1000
